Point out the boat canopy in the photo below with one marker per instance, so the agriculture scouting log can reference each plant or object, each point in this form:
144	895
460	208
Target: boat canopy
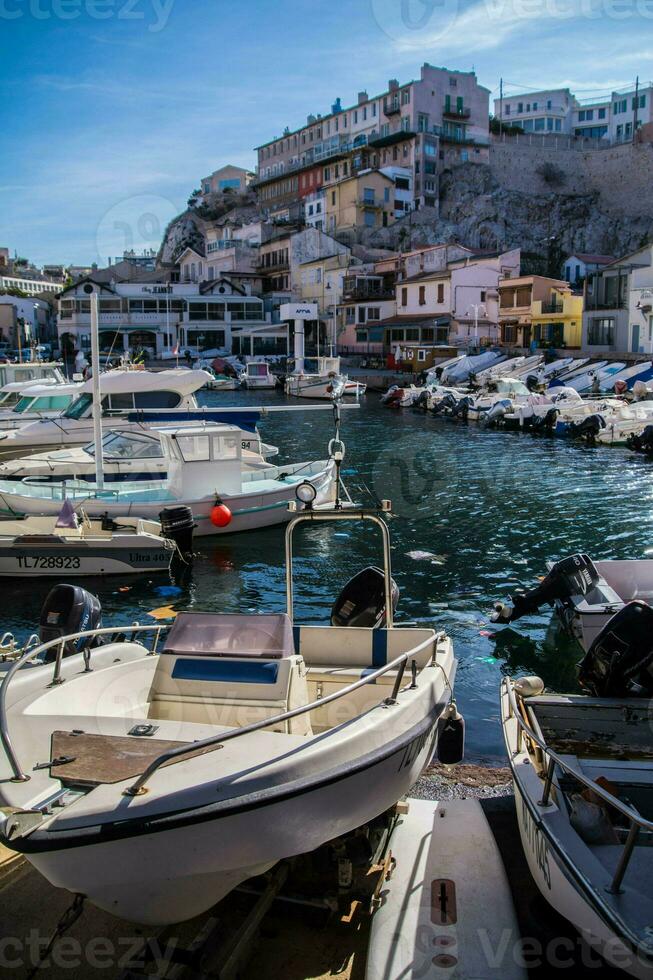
183	381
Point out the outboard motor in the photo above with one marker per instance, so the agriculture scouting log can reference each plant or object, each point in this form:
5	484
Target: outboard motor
545	423
422	400
446	403
69	609
362	600
619	663
494	414
642	443
533	383
389	395
576	575
178	525
587	429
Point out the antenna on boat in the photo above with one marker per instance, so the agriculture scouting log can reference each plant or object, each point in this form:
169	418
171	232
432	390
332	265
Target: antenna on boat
90	289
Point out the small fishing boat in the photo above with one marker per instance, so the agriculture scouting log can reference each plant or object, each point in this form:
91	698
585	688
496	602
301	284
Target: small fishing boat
220	382
581	767
158	776
257	374
398	396
625	379
585	594
50	546
205	471
578	372
471	365
320	377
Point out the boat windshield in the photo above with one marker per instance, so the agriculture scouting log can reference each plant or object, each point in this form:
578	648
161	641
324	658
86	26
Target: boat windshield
80	408
48	403
122	445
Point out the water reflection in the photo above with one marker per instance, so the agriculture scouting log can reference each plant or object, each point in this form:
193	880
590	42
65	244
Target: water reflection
477	513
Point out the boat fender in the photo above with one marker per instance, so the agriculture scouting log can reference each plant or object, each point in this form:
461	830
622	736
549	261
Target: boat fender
528	687
451	736
220	515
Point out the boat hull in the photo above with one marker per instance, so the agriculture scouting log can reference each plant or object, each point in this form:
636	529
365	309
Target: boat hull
176	874
57	560
552	870
249	510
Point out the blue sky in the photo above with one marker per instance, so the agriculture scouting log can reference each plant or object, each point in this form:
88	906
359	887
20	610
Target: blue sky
114	109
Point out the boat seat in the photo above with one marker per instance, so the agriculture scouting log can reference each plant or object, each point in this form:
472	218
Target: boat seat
226	671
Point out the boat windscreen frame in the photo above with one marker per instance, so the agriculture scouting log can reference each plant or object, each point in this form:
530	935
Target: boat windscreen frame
340	514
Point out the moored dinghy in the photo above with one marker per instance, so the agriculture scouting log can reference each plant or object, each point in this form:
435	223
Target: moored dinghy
173	777
582	775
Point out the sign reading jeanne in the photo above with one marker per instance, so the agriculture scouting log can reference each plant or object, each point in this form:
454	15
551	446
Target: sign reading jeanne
298	311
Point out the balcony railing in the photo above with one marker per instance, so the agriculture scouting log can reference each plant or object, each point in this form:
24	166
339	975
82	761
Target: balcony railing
391	108
369	202
555	306
367	291
456	112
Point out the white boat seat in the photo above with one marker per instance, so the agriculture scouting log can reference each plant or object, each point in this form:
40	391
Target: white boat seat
231	691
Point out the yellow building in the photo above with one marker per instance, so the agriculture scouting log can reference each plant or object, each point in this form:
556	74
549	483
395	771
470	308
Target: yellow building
363	201
558	320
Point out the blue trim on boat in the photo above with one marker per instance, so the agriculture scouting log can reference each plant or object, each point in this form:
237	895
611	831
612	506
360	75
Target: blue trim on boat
379	648
246	421
226	671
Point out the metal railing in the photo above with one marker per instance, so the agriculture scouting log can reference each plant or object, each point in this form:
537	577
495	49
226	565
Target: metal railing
637	821
60	642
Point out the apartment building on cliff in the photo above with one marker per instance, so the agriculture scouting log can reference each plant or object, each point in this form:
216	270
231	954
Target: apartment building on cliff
420	126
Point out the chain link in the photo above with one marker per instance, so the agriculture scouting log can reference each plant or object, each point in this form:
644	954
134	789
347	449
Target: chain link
67	920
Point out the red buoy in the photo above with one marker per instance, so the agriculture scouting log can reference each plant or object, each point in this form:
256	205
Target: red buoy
220	515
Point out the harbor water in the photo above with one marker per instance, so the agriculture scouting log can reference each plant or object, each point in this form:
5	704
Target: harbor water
477	513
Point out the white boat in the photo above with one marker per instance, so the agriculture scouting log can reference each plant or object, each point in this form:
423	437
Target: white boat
583	369
585	594
43	546
35	401
625	379
128	456
158	783
257	374
624	420
595	377
129	399
398	396
220	382
505	393
321	378
462	370
44	371
582	777
433	920
204	466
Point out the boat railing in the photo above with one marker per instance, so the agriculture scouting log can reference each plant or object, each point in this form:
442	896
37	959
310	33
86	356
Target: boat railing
130	632
636	820
32	652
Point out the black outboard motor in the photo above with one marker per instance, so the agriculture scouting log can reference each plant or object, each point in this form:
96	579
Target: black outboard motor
446	403
69	609
178	525
545	423
619	664
642	443
588	429
576	575
533	382
362	601
422	400
461	408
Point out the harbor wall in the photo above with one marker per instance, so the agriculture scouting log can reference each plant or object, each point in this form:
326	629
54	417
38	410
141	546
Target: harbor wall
622	175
